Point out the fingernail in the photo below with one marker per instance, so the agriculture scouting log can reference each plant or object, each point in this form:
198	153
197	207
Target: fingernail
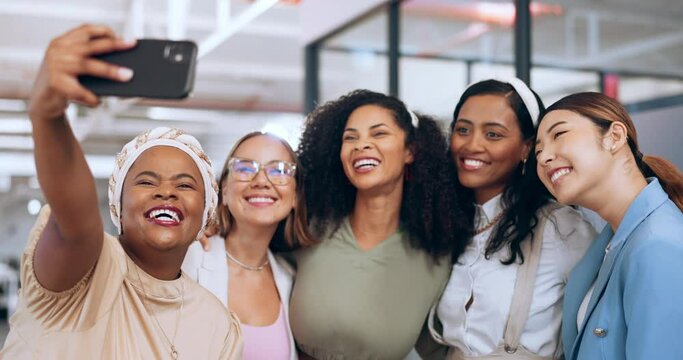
125	74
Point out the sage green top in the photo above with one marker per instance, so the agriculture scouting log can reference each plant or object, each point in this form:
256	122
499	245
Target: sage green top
349	303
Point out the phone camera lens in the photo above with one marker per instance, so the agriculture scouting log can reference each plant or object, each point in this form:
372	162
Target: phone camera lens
175	53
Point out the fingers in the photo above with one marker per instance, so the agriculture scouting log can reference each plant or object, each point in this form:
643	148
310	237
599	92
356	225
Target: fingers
204	241
70	55
105	45
103	69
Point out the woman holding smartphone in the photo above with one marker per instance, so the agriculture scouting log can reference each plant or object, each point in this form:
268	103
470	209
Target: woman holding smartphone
623	300
87	294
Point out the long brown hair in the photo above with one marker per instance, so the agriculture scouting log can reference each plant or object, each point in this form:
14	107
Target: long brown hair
602	111
292	231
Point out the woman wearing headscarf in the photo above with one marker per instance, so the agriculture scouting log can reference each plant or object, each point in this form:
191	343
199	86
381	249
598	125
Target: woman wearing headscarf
87	294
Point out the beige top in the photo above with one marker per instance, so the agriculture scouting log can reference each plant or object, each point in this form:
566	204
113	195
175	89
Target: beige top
104	315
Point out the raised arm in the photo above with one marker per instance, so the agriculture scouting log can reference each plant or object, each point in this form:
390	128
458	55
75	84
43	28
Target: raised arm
71	242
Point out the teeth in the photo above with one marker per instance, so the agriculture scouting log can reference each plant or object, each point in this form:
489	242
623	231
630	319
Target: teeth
365	162
559	173
474	163
165	213
260	200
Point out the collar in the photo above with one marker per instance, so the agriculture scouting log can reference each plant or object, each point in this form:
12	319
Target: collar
489	210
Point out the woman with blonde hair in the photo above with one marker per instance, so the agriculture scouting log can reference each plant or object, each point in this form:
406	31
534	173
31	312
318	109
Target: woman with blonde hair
261	211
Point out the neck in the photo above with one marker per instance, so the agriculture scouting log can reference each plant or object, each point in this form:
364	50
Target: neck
613	196
376	216
160	265
482	196
249	244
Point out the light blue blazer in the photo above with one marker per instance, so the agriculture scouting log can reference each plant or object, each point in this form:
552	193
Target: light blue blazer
636	310
210	269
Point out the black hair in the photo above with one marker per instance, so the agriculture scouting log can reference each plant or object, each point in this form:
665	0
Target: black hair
429	213
524	195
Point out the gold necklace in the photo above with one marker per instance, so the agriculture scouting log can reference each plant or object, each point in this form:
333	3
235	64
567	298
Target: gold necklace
245	266
174	351
489	224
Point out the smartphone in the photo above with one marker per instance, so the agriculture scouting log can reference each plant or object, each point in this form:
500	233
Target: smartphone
163	69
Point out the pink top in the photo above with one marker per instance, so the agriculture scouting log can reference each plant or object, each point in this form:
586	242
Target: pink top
267	342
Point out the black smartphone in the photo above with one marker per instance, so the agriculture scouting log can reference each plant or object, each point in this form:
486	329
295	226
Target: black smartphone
163	69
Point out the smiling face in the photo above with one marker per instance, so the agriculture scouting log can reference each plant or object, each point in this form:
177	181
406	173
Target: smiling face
572	159
487	145
259	202
373	151
162	201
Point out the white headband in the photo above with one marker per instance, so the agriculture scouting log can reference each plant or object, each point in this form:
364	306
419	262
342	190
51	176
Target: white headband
524	93
414	119
162	136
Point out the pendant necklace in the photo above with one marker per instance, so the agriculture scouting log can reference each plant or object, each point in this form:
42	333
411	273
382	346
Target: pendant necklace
174	351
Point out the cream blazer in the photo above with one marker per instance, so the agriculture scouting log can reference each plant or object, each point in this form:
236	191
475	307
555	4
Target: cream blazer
210	270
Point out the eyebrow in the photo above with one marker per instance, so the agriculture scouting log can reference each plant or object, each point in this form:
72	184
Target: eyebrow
371	127
551	129
490	123
157	176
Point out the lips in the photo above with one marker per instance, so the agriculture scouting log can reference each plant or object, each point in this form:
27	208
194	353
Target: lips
556	174
164	215
365	164
471	164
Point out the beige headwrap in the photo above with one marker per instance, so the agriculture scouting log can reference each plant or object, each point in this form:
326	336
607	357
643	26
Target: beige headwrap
162	136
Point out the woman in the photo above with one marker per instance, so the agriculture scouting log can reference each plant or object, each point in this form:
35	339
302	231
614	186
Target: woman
261	209
380	199
86	294
624	298
504	296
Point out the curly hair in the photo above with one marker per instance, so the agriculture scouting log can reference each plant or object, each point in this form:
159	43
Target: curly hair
429	212
524	195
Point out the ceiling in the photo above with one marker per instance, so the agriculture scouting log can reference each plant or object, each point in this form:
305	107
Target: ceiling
250	74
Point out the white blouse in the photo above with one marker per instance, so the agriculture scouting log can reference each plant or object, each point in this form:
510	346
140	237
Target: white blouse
479	330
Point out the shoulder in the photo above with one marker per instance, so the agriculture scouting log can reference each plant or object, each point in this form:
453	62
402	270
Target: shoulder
658	237
567	222
283	266
196	257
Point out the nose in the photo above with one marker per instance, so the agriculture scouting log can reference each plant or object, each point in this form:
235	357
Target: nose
473	143
260	180
362	144
545	157
166	191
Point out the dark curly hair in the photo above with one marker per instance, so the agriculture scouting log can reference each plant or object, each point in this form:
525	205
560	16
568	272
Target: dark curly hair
524	195
429	212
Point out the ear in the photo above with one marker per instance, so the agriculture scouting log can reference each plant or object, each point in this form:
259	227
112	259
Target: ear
615	137
526	147
408	156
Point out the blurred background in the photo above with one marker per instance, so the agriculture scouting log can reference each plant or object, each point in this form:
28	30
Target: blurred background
264	64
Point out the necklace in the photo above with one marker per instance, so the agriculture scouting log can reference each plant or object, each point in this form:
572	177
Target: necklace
245	266
489	224
174	351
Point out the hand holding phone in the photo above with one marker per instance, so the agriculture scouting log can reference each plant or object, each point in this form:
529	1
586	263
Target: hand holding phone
68	56
163	69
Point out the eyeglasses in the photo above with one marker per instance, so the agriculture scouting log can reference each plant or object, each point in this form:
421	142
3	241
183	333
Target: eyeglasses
278	172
